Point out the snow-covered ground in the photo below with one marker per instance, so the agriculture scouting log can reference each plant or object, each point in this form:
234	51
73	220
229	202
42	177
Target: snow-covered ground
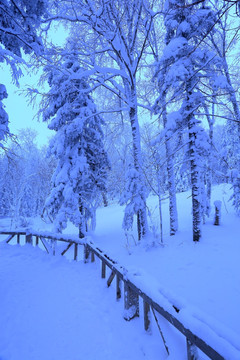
201	279
53	309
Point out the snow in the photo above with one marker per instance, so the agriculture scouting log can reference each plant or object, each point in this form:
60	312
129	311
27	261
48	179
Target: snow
204	275
55	309
201	279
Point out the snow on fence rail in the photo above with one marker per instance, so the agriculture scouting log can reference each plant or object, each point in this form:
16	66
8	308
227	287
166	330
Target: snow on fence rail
132	292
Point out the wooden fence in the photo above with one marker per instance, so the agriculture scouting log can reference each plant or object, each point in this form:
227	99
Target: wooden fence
131	291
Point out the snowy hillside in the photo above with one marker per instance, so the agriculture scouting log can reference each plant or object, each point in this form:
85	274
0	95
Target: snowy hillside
203	275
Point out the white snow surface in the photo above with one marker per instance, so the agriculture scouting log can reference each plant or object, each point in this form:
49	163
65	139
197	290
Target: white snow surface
201	279
205	275
53	309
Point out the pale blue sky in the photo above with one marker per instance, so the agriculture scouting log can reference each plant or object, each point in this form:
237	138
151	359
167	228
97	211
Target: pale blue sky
21	115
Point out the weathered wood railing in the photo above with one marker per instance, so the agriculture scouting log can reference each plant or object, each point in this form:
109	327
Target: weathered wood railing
131	291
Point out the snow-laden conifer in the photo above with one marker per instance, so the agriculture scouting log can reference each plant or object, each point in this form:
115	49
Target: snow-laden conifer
121	30
80	176
183	64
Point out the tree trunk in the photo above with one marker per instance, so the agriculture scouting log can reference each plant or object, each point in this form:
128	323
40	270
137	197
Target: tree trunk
195	179
82	222
171	176
137	158
193	126
160	206
209	169
104	197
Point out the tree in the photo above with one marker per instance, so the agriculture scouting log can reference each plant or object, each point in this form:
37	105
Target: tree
185	63
117	141
24	179
19	20
224	41
4	130
121	30
80	176
155	165
161	106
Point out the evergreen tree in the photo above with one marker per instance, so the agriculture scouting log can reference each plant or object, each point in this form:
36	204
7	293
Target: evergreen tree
121	30
80	176
186	62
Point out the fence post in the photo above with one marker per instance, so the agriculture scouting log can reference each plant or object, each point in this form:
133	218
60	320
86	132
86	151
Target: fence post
75	251
110	279
131	303
192	353
18	238
146	310
217	205
92	256
86	253
28	238
53	243
118	287
37	240
103	269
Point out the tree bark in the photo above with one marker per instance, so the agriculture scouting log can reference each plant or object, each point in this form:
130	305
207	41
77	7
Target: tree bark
196	205
193	126
137	158
209	169
81	223
171	176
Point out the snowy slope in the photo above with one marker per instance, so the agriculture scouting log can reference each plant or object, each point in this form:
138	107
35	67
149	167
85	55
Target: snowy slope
205	275
201	279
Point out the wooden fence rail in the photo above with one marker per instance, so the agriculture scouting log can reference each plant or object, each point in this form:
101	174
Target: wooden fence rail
131	291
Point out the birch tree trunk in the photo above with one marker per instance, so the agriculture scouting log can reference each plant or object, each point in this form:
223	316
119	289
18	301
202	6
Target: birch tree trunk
192	124
137	158
171	176
163	89
209	170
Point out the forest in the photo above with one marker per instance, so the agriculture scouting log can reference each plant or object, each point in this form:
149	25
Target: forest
142	99
139	182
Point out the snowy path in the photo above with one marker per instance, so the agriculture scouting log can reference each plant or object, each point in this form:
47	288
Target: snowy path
54	309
